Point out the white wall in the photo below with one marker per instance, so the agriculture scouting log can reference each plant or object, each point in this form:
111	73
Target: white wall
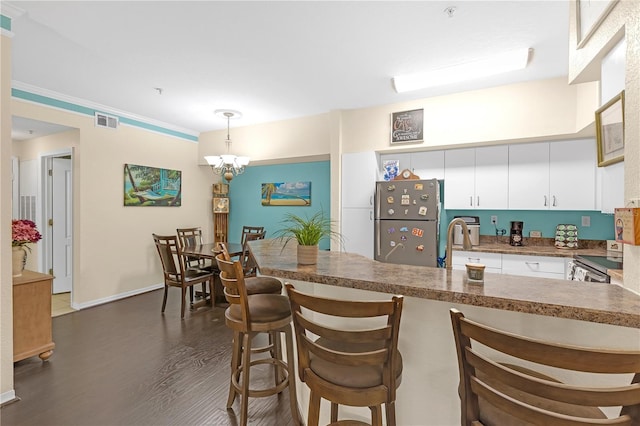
113	249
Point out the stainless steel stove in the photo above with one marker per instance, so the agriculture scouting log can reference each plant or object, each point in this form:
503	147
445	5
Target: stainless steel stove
592	268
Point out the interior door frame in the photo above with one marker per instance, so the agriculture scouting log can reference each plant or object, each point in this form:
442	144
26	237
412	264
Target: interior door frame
46	209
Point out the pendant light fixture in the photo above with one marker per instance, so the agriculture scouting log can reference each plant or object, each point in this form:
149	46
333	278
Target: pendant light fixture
227	165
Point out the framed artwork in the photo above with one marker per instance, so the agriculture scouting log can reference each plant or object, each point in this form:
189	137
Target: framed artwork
286	194
146	186
589	16
610	131
221	205
407	126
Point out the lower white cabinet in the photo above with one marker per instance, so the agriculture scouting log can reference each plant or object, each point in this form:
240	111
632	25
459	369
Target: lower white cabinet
491	261
357	231
513	264
534	266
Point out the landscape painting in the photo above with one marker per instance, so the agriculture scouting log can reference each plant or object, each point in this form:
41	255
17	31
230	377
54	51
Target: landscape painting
153	187
286	194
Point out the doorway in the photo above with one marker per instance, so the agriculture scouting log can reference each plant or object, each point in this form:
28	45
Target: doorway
57	172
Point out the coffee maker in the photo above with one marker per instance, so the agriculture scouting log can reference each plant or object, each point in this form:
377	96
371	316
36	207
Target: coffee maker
515	238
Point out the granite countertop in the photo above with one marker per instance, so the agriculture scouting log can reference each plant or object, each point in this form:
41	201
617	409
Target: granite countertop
536	247
594	302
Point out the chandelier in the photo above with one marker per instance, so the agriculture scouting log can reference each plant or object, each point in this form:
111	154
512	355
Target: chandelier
227	165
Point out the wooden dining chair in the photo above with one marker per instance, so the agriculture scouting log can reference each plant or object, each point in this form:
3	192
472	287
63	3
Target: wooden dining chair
498	393
359	366
189	237
249	265
247	230
176	274
248	316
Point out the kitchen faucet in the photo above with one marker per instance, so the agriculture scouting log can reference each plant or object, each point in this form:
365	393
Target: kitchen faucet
466	241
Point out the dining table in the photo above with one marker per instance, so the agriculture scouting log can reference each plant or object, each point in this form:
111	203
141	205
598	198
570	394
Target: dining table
210	251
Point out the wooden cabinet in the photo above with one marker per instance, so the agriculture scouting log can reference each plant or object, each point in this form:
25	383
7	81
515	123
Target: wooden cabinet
32	333
552	175
476	178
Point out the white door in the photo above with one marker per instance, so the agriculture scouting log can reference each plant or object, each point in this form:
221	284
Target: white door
492	177
459	178
357	231
62	225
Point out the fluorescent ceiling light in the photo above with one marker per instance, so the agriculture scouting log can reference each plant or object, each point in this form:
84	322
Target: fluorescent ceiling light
491	65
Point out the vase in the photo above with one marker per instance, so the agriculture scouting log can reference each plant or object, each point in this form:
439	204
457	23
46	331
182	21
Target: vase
307	255
19	259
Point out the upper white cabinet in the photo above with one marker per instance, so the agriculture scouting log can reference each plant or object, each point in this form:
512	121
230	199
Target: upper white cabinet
476	178
552	175
572	175
359	175
426	164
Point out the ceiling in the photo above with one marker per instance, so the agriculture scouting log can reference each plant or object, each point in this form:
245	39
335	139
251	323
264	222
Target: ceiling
176	62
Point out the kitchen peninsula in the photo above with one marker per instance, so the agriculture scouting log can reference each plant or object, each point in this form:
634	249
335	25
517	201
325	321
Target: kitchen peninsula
574	313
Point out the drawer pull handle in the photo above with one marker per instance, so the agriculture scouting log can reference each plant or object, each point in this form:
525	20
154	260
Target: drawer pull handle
474	259
533	263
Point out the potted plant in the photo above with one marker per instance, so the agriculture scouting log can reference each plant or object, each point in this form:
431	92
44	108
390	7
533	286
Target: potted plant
307	231
23	232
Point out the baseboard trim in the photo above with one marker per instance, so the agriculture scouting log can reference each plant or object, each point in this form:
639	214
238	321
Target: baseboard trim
85	305
8	397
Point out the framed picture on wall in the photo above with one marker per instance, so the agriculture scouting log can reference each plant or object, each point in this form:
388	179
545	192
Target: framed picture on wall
407	126
610	131
589	15
221	205
146	186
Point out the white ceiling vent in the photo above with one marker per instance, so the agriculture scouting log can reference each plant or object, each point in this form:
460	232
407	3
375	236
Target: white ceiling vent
104	120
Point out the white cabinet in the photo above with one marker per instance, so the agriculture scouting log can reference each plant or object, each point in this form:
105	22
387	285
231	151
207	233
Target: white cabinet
491	261
359	175
426	164
534	266
357	231
572	175
552	175
513	264
476	178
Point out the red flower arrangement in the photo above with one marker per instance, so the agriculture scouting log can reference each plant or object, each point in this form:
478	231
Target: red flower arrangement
23	232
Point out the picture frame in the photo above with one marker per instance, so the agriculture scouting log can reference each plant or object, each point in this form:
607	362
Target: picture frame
610	131
221	205
407	126
146	186
589	16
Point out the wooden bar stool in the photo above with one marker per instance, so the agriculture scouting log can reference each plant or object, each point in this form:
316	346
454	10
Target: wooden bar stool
360	367
249	315
496	393
254	284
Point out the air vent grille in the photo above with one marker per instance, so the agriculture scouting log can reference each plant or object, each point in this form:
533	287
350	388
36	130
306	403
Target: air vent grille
104	120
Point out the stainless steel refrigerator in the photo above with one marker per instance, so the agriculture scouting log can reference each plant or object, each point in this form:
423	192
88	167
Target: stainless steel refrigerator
406	222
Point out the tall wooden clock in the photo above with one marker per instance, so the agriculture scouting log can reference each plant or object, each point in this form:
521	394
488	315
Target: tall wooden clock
220	212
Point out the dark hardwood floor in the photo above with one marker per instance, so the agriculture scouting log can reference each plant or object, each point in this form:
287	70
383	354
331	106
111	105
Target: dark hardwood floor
124	363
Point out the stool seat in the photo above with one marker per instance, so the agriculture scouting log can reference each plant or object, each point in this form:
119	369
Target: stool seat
355	376
263	308
263	284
